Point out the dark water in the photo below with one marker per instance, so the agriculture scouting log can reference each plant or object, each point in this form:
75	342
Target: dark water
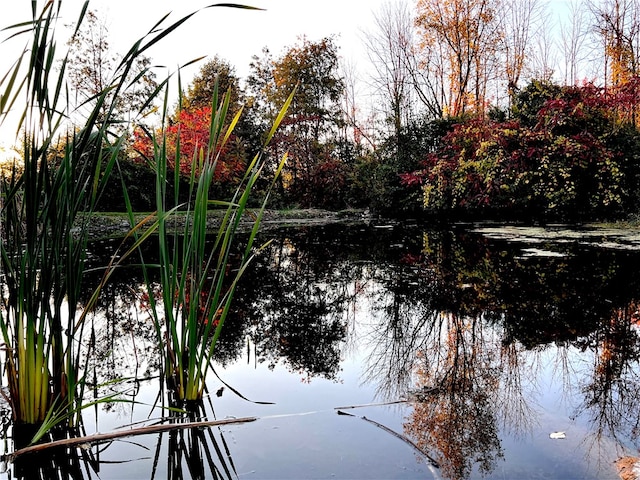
386	350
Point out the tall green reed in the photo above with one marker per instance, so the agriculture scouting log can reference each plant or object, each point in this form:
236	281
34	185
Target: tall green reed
43	245
45	214
198	271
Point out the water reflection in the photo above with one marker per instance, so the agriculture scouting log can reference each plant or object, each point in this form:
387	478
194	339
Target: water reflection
292	307
195	453
55	463
461	325
614	384
123	340
456	407
60	464
495	303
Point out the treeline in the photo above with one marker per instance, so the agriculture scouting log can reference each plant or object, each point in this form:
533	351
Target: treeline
466	114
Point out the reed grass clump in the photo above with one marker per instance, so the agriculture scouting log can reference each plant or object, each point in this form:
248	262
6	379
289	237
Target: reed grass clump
42	252
198	270
44	218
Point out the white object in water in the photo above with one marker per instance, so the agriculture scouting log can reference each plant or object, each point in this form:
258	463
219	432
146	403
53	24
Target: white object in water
557	435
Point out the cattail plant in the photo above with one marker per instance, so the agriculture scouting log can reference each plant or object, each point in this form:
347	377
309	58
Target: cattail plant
43	230
44	224
197	273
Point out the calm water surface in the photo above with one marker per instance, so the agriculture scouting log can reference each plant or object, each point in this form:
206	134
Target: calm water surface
389	351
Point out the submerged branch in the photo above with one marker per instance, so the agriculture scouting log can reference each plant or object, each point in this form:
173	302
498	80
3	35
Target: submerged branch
379	404
102	437
433	462
165	427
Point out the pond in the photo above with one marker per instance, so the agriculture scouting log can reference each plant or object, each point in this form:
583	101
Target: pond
390	351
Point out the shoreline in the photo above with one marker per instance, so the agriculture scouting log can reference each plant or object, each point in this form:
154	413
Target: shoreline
102	225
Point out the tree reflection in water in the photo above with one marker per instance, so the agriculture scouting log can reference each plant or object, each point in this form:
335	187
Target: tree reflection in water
402	319
455	413
293	308
613	389
470	324
293	305
459	320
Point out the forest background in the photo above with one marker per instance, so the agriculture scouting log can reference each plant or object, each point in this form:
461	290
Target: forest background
466	109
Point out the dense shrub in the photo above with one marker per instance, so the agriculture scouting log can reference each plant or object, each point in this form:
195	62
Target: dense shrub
564	154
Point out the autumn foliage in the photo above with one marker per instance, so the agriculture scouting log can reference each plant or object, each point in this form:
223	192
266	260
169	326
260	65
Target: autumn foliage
566	158
188	136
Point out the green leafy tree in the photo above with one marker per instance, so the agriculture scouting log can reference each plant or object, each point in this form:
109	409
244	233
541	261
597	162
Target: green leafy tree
528	101
383	171
312	131
200	92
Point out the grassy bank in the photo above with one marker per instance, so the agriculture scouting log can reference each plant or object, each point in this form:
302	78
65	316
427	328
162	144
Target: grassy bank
116	224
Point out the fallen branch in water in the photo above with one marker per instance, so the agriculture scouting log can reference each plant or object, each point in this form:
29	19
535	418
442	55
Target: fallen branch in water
102	437
394	402
165	427
432	461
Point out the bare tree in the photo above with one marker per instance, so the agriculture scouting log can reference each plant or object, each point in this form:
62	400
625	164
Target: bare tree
544	57
389	48
519	23
429	74
92	68
573	37
617	23
354	128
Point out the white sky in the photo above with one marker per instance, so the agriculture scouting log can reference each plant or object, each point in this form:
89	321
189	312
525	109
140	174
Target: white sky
236	34
233	34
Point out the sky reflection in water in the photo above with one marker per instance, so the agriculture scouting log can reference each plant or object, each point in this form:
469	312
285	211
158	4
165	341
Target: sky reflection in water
494	343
